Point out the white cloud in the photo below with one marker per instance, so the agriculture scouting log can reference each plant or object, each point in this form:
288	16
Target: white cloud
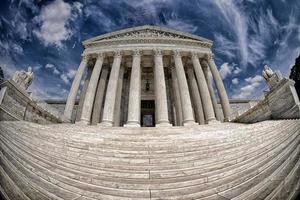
237	21
237	70
71	73
65	78
54	19
53	68
181	25
227	69
235	81
250	89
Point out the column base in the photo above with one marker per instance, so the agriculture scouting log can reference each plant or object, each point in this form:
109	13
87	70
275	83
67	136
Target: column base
226	120
163	124
190	123
82	122
132	124
106	124
213	121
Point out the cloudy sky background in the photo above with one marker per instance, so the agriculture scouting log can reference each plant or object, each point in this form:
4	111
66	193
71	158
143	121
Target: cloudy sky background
247	34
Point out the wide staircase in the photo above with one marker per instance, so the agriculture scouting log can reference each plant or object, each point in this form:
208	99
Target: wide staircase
211	162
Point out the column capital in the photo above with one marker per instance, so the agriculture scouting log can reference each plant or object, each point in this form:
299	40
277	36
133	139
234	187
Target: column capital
117	53
177	53
136	52
209	56
85	57
100	55
194	54
157	52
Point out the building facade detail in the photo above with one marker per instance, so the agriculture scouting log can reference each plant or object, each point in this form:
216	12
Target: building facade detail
147	85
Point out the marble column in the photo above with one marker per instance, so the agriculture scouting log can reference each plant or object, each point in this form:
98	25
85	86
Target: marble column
111	91
204	91
220	87
134	105
74	88
91	91
187	109
177	102
99	96
161	106
117	114
208	78
83	93
196	96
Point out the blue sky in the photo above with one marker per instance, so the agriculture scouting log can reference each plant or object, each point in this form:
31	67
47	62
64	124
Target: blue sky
247	34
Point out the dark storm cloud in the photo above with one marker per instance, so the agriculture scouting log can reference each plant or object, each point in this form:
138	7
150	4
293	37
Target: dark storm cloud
247	34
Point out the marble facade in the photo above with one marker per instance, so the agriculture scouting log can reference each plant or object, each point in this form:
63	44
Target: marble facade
150	73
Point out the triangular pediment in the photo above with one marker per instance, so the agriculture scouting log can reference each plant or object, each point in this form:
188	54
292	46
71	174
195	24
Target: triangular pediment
146	32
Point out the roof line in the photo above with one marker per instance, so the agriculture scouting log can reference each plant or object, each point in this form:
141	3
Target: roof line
137	28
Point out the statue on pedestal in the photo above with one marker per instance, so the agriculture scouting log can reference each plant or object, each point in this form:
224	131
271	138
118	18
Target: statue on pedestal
272	78
23	78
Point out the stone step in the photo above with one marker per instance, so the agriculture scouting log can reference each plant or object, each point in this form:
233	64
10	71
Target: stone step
211	187
226	161
66	186
150	155
10	189
287	186
265	186
21	181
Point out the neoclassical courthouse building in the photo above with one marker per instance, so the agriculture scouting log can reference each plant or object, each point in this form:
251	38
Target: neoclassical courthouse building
143	121
148	76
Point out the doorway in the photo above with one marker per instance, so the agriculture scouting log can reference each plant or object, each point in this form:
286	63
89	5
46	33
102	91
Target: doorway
147	113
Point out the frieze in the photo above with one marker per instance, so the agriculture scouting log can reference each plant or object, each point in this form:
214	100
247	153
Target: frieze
148	41
146	33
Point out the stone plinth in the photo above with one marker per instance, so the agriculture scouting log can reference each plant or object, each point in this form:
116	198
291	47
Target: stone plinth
281	102
17	105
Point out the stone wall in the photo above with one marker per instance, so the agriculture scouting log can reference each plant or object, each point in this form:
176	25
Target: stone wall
17	105
281	102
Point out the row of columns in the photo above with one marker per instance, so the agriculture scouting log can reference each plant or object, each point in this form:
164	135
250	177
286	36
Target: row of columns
201	92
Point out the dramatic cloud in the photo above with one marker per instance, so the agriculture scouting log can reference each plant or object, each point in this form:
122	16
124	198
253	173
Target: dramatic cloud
247	91
235	81
227	69
54	19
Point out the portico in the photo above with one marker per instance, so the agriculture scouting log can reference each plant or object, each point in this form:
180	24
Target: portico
146	74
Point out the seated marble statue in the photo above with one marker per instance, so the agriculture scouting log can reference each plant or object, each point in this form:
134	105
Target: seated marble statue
271	77
23	78
267	73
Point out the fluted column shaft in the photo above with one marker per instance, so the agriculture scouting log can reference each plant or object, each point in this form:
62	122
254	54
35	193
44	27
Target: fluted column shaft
196	96
177	102
98	102
134	105
161	105
74	88
203	88
91	91
112	86
117	115
220	87
83	93
211	89
187	109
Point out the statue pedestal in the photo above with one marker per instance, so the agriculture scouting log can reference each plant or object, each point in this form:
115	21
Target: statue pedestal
16	105
281	102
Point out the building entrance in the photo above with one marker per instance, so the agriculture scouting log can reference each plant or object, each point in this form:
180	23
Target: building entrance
147	113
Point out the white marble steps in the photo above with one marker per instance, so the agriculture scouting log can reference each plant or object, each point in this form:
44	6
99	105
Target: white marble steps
203	162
